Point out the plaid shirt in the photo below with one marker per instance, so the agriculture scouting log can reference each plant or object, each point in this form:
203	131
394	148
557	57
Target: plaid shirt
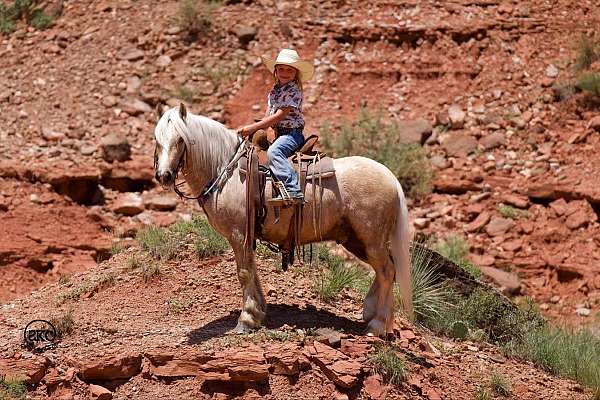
288	95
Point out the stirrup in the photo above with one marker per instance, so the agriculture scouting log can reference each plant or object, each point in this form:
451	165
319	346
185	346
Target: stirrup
283	197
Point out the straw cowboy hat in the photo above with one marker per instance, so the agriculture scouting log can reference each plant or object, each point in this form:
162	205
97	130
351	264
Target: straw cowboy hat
291	58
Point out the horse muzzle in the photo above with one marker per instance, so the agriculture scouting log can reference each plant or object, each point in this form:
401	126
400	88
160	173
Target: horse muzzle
166	178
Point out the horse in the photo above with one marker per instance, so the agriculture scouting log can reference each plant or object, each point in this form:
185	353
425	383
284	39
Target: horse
363	209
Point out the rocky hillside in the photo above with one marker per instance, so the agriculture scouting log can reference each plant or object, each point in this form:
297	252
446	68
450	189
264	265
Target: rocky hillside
477	82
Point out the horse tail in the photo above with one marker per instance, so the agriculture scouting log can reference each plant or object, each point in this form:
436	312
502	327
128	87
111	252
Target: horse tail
400	249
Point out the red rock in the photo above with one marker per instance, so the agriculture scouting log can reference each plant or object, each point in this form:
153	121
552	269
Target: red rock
285	359
577	220
328	336
355	349
100	393
433	394
508	282
128	204
482	260
517	201
407	334
460	145
594	123
109	368
498	226
335	365
236	365
513	245
374	388
449	185
479	222
559	206
505	8
32	369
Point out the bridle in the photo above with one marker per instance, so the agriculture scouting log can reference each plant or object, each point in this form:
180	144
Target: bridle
212	184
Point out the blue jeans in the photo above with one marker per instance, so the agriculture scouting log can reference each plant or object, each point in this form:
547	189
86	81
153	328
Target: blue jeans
283	147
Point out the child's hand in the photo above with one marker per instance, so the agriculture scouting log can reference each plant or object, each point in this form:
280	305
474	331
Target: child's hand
244	131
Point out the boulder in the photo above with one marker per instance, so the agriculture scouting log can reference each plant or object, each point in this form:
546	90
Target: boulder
128	204
417	131
161	203
459	145
498	226
31	369
122	366
508	282
479	222
100	393
493	140
594	123
135	107
516	201
245	34
457	116
115	148
341	370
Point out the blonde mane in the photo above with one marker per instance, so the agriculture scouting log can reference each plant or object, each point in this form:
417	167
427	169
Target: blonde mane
210	145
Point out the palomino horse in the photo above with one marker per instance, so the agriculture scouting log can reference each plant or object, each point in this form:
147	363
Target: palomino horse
363	208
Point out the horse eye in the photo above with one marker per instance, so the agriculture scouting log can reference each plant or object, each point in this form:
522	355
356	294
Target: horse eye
180	140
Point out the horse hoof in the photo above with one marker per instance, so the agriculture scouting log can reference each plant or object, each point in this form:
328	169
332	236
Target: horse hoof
368	315
240	329
376	328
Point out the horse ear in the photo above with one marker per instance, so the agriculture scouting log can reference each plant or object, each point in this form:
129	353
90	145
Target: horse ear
159	111
182	111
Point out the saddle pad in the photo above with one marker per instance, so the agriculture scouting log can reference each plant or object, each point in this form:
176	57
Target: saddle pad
322	169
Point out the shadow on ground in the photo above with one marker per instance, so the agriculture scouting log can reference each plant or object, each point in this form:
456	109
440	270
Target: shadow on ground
279	315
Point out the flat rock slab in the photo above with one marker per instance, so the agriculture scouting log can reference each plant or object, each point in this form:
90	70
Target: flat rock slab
31	370
122	366
342	371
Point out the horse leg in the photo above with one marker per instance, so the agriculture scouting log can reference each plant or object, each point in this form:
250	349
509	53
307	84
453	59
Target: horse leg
382	321
378	308
253	301
370	303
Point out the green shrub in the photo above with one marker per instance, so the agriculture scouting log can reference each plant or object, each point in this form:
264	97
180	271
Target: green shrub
184	93
150	271
40	20
157	242
487	311
456	250
511	212
589	83
500	385
178	305
386	362
482	394
7	20
194	17
588	52
26	10
564	352
430	294
64	324
371	137
563	91
336	278
209	243
12	388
